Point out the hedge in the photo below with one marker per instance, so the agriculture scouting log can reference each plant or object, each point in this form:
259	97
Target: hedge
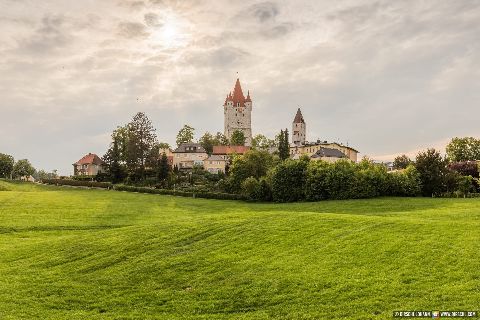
202	194
78	183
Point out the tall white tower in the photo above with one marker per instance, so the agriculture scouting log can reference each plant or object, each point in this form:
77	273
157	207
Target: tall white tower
299	129
238	113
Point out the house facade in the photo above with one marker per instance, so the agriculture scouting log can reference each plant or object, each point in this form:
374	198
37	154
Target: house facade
88	165
316	150
189	155
215	164
312	148
227	151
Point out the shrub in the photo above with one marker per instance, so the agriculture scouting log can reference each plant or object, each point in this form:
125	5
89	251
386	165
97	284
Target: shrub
77	183
207	195
316	187
405	183
288	181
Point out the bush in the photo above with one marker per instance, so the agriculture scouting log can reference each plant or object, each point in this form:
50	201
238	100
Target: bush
77	183
288	181
405	183
206	195
316	187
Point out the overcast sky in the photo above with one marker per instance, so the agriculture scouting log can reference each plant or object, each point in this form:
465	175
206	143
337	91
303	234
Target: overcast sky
386	77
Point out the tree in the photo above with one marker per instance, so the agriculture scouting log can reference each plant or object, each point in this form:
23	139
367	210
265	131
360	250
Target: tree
261	142
238	138
221	139
253	163
141	140
401	162
163	169
465	168
112	160
432	170
185	135
207	141
163	145
23	168
42	175
283	145
6	165
288	181
463	149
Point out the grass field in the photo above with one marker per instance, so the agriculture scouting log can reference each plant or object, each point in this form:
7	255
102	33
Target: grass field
93	254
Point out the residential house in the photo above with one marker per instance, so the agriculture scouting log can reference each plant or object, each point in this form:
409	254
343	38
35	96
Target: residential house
310	149
89	165
328	154
227	151
188	155
215	164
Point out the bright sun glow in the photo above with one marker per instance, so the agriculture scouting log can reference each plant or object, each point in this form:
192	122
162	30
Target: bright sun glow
171	33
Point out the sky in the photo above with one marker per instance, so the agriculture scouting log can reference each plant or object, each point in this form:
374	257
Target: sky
386	77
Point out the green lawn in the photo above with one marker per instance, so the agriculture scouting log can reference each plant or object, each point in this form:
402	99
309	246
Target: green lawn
93	254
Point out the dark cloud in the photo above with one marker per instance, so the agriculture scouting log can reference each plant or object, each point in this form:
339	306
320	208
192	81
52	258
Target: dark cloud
278	31
264	12
152	19
132	30
49	36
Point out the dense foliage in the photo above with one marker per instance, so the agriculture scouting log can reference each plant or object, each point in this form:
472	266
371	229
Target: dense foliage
6	165
463	149
402	162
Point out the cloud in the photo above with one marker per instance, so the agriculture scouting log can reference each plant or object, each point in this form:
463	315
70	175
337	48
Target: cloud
49	36
132	30
387	77
264	12
152	19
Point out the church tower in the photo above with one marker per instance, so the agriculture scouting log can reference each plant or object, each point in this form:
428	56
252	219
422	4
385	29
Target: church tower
238	113
299	129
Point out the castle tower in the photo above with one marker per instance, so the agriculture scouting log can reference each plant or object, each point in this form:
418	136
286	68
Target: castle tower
299	129
237	113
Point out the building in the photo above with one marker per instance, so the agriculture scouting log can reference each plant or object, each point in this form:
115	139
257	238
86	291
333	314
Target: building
316	150
215	164
328	154
311	148
299	129
89	165
227	151
188	155
238	113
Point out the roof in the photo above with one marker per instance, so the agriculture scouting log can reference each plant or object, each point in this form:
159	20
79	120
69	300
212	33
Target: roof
237	95
325	143
90	158
230	149
299	117
329	153
215	157
190	148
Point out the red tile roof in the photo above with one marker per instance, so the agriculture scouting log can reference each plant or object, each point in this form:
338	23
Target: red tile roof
237	95
298	117
90	158
230	149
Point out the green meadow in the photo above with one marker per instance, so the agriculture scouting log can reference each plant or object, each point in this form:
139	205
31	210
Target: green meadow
69	253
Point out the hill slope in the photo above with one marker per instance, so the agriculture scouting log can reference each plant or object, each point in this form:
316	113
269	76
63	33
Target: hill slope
95	254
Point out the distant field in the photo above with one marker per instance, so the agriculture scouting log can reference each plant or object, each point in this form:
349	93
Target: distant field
93	254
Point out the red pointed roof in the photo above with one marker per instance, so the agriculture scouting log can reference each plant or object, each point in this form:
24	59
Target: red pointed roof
237	95
90	158
298	117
